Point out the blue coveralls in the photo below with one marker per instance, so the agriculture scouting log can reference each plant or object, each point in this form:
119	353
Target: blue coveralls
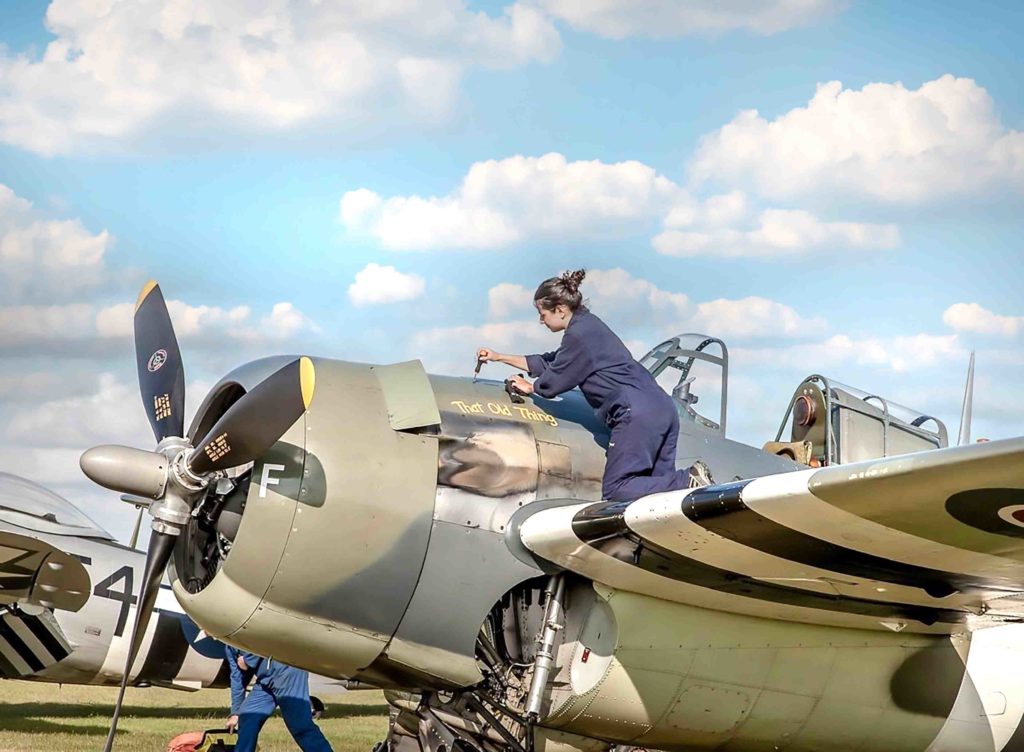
643	420
276	685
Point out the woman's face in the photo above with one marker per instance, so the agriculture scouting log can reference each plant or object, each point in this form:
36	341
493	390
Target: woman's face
554	319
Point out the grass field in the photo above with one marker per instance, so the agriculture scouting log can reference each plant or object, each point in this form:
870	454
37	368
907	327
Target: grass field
40	717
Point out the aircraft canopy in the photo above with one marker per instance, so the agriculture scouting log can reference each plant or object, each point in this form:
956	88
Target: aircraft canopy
29	505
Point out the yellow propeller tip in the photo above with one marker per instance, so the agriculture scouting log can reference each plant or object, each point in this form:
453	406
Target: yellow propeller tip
146	290
307	380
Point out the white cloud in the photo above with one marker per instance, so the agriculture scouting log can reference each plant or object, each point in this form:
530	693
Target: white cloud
618	19
27	324
972	317
210	323
630	303
377	284
776	232
519	199
45	257
284	321
452	350
502	202
883	141
753	317
118	70
507	299
905	353
112	414
81	328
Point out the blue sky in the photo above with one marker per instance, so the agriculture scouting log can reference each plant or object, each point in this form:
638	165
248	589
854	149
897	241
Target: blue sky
256	157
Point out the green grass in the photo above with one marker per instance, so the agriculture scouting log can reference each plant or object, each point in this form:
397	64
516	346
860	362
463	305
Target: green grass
37	717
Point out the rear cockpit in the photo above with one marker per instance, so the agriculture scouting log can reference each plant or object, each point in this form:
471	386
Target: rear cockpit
830	423
826	422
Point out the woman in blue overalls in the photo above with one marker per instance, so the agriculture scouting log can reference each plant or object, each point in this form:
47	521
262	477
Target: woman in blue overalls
644	424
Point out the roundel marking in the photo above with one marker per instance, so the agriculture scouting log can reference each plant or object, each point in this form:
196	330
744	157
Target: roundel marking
156	361
1014	515
993	510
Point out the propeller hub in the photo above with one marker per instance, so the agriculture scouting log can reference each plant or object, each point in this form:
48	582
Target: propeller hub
126	470
183	475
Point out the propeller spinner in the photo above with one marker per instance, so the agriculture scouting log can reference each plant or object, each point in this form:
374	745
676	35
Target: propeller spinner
177	474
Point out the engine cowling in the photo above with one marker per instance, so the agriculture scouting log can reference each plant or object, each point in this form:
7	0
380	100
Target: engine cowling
372	539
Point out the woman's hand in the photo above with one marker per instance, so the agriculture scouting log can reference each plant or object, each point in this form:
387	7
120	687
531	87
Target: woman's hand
487	355
524	386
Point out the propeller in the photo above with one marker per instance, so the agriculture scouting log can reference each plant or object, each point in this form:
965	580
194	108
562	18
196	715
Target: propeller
177	474
158	359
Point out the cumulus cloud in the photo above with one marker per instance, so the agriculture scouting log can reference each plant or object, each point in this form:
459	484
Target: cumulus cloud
754	317
117	70
633	304
618	19
45	257
377	284
508	299
111	414
773	233
632	301
972	317
522	199
82	329
502	202
904	353
30	324
452	350
882	142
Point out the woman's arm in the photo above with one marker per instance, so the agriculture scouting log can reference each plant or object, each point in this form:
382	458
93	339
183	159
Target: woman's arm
567	370
516	361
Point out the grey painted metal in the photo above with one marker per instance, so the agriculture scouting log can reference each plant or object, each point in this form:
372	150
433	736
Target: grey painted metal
126	469
408	395
466	571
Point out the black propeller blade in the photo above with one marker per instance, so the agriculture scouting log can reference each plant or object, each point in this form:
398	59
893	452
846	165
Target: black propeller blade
256	421
161	373
160	547
242	434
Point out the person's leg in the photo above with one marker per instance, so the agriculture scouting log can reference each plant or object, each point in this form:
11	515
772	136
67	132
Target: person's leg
665	462
636	447
291	686
633	448
254	712
298	717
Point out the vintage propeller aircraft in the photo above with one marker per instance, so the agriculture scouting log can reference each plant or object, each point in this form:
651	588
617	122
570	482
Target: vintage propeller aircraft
855	585
66	592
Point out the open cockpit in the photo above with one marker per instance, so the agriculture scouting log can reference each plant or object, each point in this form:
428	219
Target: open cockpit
826	422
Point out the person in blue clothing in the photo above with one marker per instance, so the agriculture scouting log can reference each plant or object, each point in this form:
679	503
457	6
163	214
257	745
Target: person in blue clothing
275	685
641	457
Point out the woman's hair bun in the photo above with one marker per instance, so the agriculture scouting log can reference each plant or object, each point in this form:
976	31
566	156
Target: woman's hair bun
561	290
573	280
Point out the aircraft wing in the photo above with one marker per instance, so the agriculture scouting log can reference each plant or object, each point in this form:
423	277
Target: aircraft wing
35	573
928	542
